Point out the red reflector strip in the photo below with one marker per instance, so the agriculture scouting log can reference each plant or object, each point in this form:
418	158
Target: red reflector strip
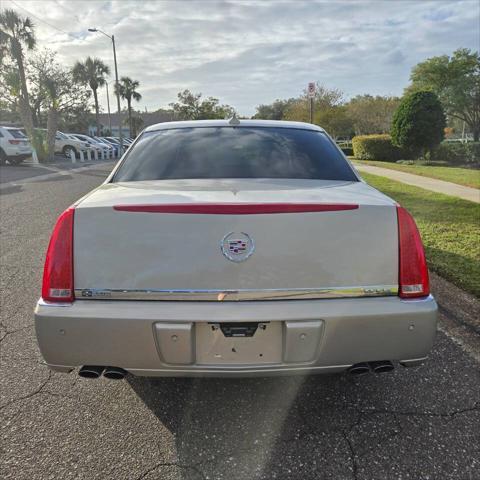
237	208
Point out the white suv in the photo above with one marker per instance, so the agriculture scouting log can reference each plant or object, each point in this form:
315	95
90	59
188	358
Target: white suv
14	146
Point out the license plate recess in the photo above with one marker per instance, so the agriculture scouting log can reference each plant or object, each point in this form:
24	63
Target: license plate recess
238	343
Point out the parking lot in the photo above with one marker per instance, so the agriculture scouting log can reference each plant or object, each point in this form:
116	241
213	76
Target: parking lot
420	423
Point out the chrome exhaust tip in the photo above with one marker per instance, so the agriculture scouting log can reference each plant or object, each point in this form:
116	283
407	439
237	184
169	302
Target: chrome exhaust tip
381	366
90	371
114	373
359	369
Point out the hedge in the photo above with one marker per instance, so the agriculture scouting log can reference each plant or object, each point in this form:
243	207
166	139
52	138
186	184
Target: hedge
376	147
457	153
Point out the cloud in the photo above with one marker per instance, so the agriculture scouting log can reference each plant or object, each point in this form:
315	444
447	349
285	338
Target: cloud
248	52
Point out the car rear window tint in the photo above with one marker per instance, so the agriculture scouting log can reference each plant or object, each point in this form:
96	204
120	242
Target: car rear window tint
241	152
17	133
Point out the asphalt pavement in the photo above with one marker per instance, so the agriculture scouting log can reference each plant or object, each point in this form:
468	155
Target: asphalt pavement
28	170
418	423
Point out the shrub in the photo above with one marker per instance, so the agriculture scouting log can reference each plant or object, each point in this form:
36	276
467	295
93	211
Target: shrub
348	151
457	153
39	143
418	123
376	147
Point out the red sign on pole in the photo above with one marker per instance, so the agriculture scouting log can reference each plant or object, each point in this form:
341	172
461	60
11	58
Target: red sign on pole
311	89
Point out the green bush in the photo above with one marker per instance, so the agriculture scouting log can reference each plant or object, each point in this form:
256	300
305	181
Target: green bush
457	153
376	147
418	123
39	143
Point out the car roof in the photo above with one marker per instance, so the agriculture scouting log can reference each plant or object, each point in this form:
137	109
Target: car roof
238	123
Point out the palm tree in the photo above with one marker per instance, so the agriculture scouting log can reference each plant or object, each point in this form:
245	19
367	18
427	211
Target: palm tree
92	72
16	34
127	90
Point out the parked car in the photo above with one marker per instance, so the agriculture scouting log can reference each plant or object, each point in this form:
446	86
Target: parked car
107	143
234	248
14	146
93	144
65	144
114	141
117	141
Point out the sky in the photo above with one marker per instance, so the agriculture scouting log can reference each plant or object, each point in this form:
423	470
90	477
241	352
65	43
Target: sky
251	52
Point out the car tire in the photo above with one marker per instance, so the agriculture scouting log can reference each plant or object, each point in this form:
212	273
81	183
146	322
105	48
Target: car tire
15	160
67	149
3	157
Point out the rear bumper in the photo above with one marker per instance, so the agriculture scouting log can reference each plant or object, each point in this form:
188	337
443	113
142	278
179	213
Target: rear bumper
20	154
313	336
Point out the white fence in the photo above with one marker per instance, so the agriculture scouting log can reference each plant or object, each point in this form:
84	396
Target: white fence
92	155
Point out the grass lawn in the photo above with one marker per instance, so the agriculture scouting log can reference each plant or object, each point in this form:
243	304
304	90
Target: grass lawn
463	176
450	229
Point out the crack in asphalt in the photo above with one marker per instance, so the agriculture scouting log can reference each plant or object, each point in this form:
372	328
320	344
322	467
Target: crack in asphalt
31	394
353	454
11	332
362	414
193	467
476	406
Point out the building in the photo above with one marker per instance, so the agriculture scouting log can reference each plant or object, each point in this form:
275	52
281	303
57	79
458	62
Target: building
149	118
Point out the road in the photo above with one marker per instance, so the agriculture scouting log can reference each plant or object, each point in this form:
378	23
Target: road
421	423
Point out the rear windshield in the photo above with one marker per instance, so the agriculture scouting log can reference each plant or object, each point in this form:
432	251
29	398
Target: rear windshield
226	152
16	133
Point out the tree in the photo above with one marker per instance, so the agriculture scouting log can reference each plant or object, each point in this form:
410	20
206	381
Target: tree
92	72
58	91
456	81
335	121
135	122
190	106
299	109
371	114
274	111
16	34
127	90
10	89
419	123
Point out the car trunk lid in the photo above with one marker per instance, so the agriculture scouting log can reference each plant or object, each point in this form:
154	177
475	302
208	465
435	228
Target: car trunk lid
235	240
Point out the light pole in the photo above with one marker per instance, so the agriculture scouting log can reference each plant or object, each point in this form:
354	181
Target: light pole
117	92
108	106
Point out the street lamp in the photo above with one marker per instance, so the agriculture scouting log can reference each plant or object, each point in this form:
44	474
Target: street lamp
108	107
112	38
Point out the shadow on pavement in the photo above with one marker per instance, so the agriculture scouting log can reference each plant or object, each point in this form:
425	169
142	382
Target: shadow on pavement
11	189
324	426
251	427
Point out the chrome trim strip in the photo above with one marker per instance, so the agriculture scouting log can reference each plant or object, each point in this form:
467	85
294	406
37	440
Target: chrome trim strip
41	302
237	295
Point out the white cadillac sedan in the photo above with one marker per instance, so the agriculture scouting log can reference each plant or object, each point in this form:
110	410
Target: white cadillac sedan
234	248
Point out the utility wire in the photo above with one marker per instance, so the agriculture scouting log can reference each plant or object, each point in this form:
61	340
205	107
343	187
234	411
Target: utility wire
41	20
68	10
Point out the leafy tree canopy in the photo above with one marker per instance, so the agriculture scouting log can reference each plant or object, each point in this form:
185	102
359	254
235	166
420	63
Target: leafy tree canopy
274	111
191	106
456	81
371	114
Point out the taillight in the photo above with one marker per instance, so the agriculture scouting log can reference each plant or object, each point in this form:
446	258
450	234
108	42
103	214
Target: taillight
413	271
58	271
14	142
